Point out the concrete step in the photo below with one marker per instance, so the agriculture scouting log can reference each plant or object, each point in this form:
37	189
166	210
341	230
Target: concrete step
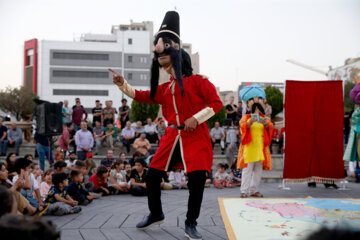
273	176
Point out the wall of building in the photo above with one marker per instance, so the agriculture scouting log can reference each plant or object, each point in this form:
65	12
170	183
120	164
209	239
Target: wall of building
80	69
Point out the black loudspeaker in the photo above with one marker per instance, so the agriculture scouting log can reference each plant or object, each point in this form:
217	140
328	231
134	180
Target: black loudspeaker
49	119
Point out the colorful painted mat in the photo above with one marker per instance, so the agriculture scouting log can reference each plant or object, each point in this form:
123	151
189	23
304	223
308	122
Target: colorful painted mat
291	218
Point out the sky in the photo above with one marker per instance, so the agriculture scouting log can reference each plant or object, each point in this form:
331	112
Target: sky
237	40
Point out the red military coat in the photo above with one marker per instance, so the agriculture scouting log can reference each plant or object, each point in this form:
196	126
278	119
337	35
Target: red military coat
195	147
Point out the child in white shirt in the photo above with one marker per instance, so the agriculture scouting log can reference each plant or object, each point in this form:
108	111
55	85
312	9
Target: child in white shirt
177	179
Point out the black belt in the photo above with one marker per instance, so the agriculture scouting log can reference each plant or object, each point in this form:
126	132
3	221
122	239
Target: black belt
177	127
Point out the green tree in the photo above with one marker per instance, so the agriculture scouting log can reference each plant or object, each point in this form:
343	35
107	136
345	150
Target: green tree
142	111
348	102
218	117
18	102
274	97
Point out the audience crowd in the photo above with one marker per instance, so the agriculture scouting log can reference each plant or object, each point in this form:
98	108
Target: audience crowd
74	179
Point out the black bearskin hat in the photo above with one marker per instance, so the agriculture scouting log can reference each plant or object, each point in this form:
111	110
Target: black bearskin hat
169	30
170	27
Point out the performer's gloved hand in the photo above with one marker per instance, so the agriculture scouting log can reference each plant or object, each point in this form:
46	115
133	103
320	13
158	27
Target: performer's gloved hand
190	124
117	78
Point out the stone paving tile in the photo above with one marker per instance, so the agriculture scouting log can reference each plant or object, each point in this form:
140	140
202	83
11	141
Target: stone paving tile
92	234
71	234
115	234
115	217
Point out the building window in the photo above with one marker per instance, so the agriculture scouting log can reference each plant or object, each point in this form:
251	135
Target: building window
130	41
78	92
80	74
143	77
130	75
30	57
80	56
143	59
130	59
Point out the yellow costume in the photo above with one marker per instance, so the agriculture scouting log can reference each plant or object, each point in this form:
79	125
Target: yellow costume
254	150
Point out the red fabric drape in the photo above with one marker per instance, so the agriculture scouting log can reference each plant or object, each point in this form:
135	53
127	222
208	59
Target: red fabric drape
314	113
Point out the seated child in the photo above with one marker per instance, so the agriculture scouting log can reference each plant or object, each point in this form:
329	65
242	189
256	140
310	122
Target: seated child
100	181
177	179
81	166
137	178
31	187
89	186
117	177
235	174
60	202
36	170
60	166
76	189
222	178
46	184
90	164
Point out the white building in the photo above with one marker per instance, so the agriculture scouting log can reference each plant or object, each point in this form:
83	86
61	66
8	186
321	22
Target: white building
59	70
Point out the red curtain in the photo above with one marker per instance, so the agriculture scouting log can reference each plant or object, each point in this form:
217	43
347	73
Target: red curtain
314	113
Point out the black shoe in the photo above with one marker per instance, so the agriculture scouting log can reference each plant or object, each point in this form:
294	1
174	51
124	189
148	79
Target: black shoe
192	233
312	184
150	221
333	185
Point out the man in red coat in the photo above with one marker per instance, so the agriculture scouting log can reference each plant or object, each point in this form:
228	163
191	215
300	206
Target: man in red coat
187	102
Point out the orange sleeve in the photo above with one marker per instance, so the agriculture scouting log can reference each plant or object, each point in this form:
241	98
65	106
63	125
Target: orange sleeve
268	133
245	132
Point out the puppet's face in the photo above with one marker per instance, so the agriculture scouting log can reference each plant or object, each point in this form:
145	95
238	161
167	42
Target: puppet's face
163	48
255	100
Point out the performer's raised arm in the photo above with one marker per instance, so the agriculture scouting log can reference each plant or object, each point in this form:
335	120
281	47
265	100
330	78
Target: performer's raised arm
127	89
122	84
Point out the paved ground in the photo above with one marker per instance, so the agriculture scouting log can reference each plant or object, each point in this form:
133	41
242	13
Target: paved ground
115	217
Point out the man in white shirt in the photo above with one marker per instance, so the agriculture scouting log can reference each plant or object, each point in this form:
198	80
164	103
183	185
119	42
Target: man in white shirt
70	163
151	131
218	136
128	135
84	141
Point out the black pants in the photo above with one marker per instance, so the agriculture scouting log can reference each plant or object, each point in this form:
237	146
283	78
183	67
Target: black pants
219	142
196	186
127	143
100	190
152	137
138	191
